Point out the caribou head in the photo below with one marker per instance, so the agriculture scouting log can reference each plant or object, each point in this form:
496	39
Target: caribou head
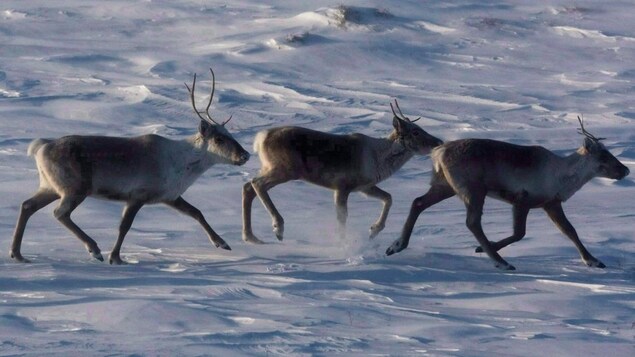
607	165
217	140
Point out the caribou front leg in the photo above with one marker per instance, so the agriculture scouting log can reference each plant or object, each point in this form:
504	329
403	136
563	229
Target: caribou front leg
186	208
556	213
341	207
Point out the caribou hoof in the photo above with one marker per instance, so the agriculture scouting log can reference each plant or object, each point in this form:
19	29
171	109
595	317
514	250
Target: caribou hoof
116	260
505	266
223	245
396	247
594	263
97	255
18	257
494	246
374	230
278	230
252	239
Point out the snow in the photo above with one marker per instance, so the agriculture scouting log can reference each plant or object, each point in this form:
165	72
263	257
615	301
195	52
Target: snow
519	71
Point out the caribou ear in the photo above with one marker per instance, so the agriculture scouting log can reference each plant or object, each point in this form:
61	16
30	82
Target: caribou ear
204	128
590	145
398	124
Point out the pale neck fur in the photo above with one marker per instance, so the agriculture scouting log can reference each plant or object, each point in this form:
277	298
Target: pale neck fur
390	156
198	158
186	161
574	172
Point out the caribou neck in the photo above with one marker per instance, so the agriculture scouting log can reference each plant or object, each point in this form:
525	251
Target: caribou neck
575	172
390	156
197	158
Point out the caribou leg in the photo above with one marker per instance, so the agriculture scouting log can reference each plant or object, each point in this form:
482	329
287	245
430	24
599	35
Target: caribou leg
385	197
40	200
261	185
556	213
435	194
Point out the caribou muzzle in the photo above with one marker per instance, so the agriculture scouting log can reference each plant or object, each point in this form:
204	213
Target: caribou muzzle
242	158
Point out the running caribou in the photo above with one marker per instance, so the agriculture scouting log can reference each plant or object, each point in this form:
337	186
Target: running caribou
140	170
343	163
524	176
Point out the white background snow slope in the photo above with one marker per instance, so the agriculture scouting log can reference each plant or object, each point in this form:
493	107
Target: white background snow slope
518	70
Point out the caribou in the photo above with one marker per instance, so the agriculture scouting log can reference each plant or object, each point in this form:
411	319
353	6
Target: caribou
342	163
524	176
139	170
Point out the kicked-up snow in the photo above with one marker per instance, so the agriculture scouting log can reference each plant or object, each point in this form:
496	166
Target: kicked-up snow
519	71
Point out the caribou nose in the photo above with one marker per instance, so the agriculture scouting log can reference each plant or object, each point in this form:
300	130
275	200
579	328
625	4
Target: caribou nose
622	172
244	157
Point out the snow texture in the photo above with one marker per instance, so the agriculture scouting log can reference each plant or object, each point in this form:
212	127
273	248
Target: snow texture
518	70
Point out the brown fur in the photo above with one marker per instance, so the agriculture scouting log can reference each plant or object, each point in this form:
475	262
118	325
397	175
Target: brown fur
524	176
141	170
343	163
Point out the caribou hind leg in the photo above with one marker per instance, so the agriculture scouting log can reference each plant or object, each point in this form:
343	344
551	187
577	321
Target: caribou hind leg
129	213
261	185
40	200
385	197
435	194
63	214
474	200
248	198
520	223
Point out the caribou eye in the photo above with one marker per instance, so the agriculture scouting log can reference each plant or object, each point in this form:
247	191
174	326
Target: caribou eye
416	133
218	140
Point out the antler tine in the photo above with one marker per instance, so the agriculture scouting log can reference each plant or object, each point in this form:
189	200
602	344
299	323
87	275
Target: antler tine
400	112
393	111
191	90
209	118
211	96
227	121
210	100
584	132
581	125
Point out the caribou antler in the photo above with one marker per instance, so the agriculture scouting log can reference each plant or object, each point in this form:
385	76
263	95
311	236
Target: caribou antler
582	131
209	118
191	90
403	117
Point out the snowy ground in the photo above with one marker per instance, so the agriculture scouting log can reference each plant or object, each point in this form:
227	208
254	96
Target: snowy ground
519	71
